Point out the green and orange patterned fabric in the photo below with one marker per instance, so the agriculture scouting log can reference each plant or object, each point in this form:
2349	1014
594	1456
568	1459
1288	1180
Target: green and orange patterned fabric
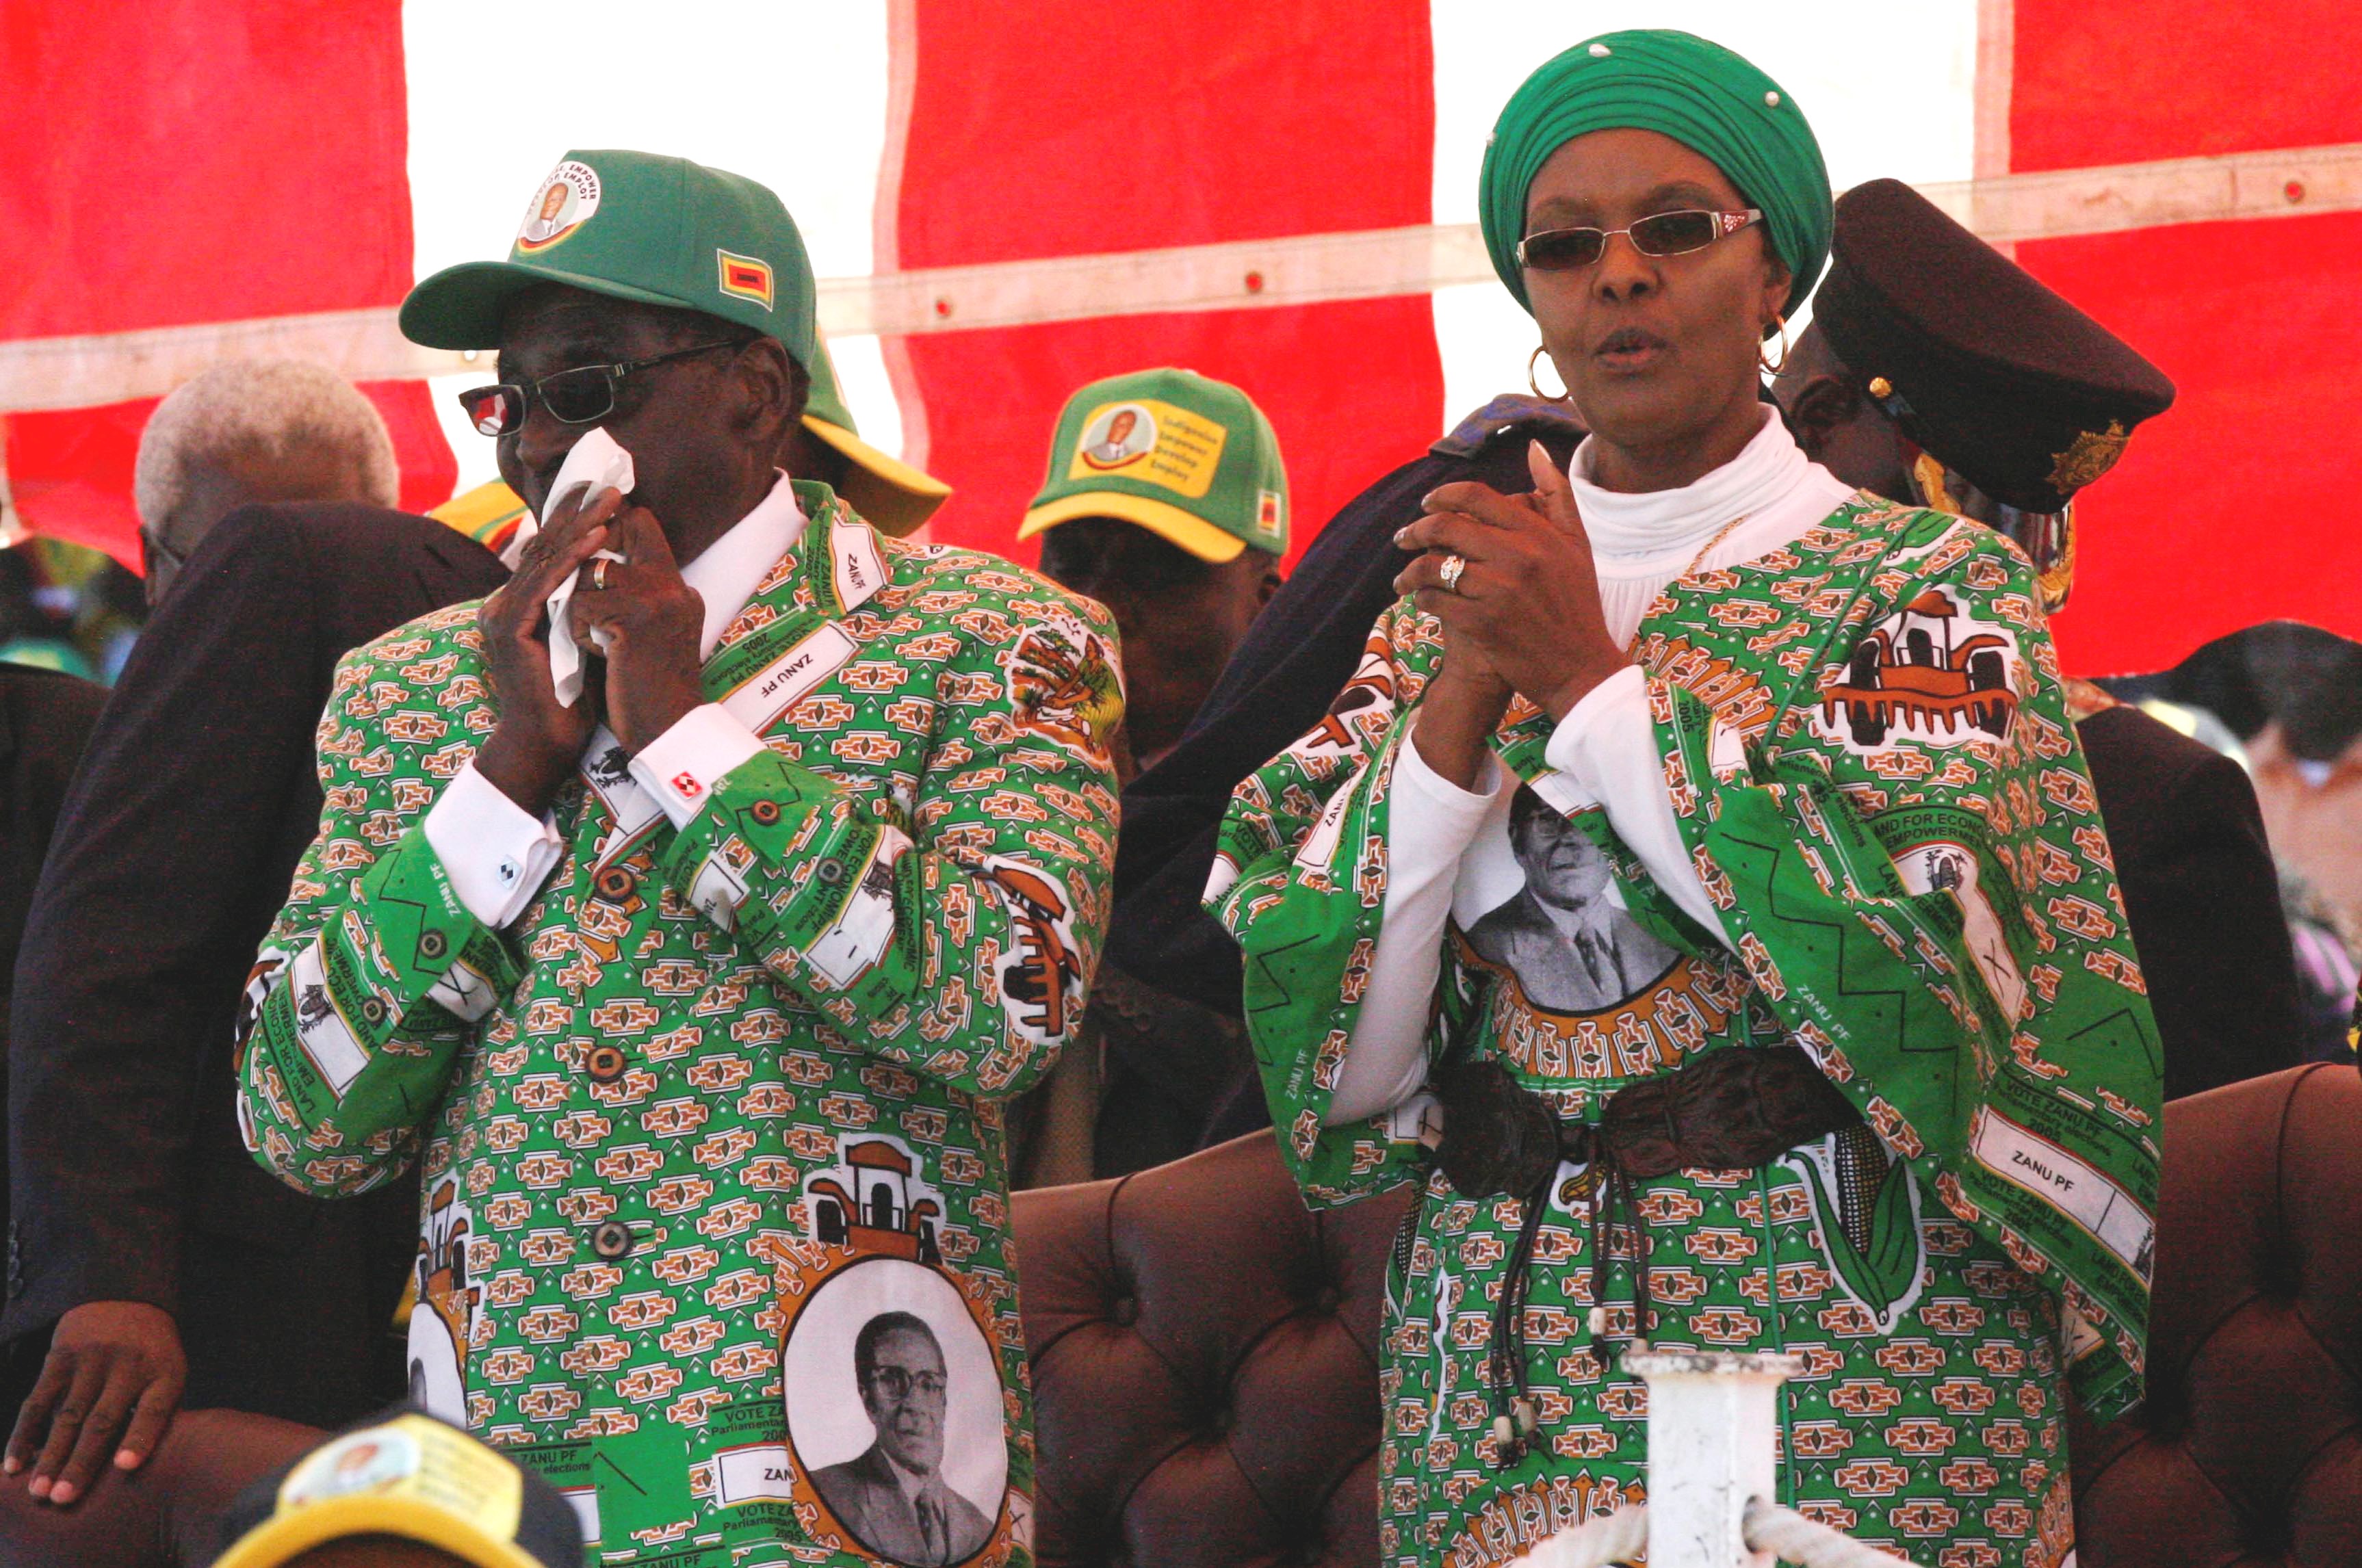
1868	755
714	1183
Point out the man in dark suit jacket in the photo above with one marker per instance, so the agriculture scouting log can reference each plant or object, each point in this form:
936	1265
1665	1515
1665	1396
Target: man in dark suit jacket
45	722
142	1230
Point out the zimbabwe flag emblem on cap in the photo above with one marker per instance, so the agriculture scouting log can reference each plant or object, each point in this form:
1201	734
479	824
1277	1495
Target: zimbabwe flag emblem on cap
746	277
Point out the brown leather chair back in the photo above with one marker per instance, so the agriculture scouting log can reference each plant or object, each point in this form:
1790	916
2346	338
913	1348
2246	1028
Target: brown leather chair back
2248	1449
1205	1366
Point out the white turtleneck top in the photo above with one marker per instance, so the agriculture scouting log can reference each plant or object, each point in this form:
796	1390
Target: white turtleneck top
1447	848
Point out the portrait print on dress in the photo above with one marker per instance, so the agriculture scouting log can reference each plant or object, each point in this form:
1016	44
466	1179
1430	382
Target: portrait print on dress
1562	934
895	1413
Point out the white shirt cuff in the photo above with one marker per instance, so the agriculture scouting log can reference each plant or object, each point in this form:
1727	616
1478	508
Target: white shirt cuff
495	852
1614	700
1441	803
681	766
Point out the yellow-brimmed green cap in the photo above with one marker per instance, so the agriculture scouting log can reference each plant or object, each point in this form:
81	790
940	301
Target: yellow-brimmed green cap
635	226
887	492
1185	457
413	1477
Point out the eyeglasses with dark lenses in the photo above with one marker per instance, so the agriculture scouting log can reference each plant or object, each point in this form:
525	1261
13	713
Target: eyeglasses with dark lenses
1660	234
896	1382
577	396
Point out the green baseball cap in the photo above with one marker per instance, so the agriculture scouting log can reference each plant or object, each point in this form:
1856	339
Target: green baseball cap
886	492
1185	457
635	226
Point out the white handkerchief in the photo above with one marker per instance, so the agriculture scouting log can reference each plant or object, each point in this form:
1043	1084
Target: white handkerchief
598	462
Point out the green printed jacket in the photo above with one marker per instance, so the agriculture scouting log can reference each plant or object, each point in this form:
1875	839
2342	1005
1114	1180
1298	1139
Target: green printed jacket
1866	746
722	1099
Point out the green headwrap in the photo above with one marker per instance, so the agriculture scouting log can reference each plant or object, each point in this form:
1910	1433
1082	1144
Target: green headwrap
1679	85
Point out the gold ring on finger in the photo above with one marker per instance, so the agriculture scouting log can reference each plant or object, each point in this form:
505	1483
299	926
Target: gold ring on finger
1453	566
598	573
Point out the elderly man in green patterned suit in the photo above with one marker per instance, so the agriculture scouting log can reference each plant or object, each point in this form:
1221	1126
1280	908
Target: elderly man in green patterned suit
689	907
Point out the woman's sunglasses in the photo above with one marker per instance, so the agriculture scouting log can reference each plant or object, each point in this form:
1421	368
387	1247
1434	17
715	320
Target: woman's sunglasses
573	397
1664	233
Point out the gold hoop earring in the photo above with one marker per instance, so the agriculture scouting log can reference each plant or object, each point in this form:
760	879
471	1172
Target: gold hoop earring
1533	363
1768	368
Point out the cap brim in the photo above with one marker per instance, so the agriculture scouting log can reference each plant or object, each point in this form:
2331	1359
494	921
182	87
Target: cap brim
1185	529
886	492
285	1536
460	307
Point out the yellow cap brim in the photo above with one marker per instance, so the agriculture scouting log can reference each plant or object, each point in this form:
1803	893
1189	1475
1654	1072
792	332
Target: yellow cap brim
1186	529
288	1535
887	492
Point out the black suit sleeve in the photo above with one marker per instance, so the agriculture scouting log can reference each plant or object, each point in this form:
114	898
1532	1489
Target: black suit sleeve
2202	896
128	979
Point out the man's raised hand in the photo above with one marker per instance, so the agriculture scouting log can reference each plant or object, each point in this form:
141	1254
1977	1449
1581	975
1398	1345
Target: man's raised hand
538	741
652	620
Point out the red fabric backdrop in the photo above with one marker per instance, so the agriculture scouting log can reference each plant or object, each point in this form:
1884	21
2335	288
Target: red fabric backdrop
2224	511
1031	136
179	161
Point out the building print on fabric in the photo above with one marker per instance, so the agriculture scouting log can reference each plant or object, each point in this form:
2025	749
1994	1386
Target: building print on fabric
443	1316
1931	672
1568	942
874	1203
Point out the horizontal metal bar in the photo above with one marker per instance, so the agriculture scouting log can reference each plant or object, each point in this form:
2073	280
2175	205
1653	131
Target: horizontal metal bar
366	345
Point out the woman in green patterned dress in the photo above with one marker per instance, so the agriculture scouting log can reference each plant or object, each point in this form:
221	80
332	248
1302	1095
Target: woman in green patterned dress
1700	895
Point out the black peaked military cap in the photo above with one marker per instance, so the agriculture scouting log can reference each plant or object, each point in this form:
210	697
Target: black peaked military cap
1996	376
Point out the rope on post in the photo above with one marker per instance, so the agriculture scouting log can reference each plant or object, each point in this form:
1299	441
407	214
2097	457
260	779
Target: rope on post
1623	1535
1598	1543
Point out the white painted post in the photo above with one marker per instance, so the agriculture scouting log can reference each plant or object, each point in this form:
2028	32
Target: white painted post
1713	1417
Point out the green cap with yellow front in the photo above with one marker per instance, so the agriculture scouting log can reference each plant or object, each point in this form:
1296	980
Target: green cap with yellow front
411	1476
635	226
1185	457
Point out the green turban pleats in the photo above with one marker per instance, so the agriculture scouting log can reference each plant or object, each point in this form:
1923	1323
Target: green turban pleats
1679	85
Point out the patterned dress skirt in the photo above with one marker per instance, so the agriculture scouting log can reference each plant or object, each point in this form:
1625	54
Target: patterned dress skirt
1928	1417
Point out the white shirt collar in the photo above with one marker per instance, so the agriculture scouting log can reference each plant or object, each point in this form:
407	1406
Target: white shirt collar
913	1485
726	575
1767	471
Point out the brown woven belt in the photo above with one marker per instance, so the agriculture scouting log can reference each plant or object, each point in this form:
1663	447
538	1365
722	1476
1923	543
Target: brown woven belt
1730	1110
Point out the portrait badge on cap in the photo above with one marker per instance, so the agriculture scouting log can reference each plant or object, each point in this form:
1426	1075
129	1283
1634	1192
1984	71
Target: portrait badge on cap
564	203
1152	441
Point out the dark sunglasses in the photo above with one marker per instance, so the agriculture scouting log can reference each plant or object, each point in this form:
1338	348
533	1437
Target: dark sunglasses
573	397
1663	233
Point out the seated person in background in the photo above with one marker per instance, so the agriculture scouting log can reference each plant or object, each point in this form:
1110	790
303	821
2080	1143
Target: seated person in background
1289	670
1166	501
249	431
142	1232
1939	372
403	1491
697	982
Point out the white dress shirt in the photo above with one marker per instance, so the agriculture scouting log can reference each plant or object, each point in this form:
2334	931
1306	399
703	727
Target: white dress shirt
498	854
1447	848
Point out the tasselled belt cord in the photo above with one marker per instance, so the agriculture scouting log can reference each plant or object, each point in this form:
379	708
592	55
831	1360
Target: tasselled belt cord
1516	1422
